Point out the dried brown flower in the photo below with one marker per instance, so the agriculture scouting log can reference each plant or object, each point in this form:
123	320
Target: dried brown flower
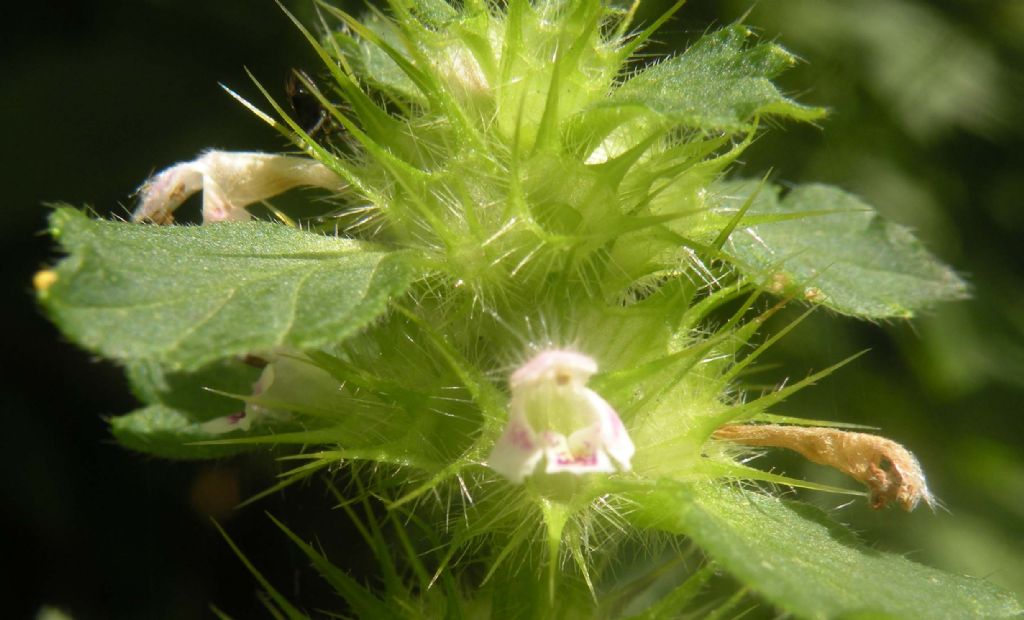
888	469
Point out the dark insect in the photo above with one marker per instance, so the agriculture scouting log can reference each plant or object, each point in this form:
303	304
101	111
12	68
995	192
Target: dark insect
309	113
253	360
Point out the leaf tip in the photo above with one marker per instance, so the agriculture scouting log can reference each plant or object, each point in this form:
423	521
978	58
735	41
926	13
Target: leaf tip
61	217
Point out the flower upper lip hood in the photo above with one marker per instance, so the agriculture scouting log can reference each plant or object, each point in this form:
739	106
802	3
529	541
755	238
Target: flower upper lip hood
557	366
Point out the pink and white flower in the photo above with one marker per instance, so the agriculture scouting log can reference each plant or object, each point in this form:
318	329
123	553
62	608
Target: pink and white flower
242	420
553	416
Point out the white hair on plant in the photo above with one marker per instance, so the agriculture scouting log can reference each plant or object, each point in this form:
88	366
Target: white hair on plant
230	182
553	416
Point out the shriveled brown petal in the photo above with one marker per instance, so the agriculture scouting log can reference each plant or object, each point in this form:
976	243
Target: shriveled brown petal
889	470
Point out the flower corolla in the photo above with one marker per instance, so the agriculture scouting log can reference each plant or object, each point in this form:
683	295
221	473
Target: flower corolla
243	420
553	416
230	181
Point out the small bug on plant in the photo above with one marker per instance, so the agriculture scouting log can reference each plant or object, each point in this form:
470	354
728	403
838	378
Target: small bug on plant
310	114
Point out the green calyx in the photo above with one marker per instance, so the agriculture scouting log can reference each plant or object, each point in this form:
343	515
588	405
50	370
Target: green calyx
533	145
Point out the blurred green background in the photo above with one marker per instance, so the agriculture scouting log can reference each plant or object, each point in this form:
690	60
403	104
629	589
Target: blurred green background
925	125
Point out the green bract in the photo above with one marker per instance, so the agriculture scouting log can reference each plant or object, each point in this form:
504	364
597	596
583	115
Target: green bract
516	179
845	257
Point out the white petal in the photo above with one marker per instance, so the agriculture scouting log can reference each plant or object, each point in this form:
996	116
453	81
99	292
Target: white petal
614	437
516	453
580	454
518	450
555	366
230	181
226	424
254	411
218	205
162	194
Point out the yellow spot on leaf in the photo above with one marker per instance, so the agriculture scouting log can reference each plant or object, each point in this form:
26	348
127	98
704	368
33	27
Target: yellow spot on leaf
44	279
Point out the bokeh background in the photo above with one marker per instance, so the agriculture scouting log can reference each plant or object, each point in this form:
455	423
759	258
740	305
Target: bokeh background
926	125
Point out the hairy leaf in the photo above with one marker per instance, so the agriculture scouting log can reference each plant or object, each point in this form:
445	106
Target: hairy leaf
719	83
374	65
162	431
829	247
807	564
186	296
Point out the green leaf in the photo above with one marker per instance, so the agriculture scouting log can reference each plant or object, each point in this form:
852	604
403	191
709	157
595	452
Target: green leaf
807	564
162	431
829	247
719	83
186	296
190	392
372	64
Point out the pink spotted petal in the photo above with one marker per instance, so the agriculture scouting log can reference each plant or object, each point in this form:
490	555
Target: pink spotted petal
517	451
614	437
580	454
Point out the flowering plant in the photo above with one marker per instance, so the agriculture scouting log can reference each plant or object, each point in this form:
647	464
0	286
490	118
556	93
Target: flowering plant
529	306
